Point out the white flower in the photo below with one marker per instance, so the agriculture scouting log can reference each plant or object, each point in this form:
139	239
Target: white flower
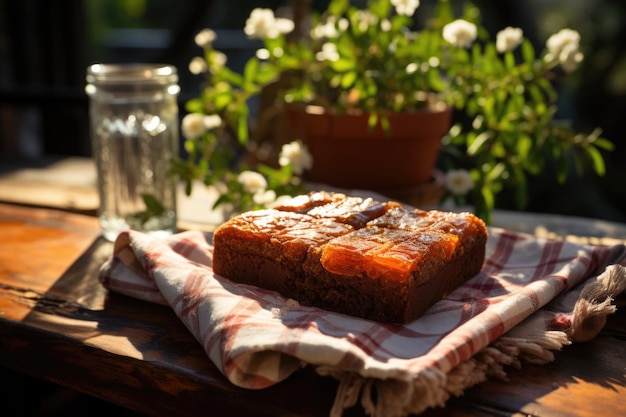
508	39
252	181
385	25
411	68
460	33
216	60
205	38
558	41
405	7
212	121
296	154
459	181
262	24
192	125
365	19
328	30
328	53
318	32
563	46
197	65
259	23
284	26
264	197
278	52
343	24
263	54
196	124
570	58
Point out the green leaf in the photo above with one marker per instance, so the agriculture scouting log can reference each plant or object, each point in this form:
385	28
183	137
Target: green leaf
495	172
190	146
435	80
250	71
547	88
524	145
509	60
153	206
528	52
497	63
194	105
266	74
477	144
372	120
224	198
444	13
229	76
221	101
338	7
348	79
242	124
380	8
386	126
488	202
343	65
535	92
603	143
597	160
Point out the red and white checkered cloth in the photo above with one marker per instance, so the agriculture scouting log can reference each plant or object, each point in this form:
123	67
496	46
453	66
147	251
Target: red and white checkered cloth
258	338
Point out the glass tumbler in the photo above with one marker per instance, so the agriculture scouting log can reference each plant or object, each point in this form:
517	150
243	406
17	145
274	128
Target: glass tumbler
134	134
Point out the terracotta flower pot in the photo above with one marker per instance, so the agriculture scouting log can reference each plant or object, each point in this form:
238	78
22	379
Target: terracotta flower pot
347	153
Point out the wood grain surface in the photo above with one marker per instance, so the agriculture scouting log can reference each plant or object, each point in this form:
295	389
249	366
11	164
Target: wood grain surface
58	324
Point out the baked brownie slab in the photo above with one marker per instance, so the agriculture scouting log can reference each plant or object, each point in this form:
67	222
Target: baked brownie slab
375	260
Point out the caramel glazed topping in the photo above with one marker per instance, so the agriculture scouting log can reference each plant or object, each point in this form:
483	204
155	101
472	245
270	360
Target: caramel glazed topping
389	241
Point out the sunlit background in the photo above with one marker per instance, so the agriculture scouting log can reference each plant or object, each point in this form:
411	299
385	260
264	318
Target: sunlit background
45	47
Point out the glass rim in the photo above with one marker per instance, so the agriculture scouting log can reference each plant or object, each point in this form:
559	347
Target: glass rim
131	72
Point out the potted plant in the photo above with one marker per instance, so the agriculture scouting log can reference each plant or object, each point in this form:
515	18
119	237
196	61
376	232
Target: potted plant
371	64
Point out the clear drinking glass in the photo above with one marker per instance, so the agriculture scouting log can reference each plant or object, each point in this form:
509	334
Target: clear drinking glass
134	133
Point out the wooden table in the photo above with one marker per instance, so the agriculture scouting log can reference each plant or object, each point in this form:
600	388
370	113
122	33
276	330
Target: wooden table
58	324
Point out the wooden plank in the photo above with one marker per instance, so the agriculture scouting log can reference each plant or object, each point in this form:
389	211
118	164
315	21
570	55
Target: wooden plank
68	184
586	379
55	318
38	245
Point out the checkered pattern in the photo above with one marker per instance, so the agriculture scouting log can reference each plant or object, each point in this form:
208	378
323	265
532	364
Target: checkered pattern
258	338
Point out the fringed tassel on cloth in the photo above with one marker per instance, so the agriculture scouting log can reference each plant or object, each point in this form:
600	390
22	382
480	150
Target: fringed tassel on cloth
595	303
528	341
387	397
